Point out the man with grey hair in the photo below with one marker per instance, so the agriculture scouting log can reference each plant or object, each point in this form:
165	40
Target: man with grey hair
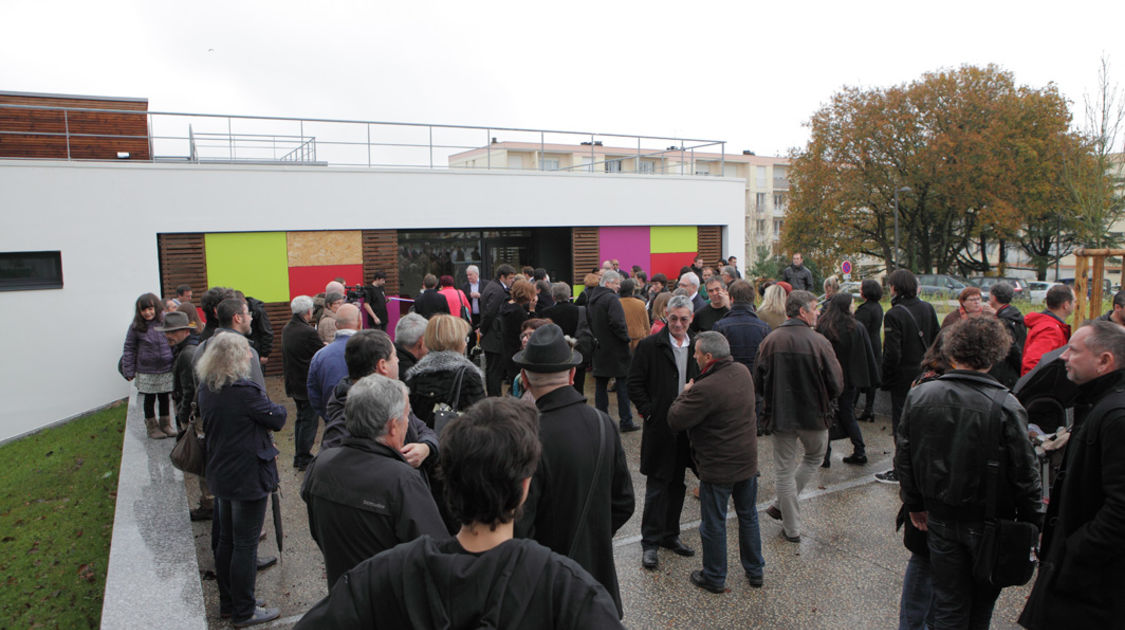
799	376
1082	570
611	353
582	460
363	497
473	289
661	367
409	342
717	411
299	344
690	282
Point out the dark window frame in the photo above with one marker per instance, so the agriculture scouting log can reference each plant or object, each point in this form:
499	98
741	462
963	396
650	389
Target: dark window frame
33	282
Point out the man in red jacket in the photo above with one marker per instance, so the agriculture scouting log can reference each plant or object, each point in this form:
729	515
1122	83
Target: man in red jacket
1047	330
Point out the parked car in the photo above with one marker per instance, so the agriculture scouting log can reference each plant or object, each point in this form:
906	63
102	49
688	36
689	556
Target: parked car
1038	290
940	285
1107	286
985	283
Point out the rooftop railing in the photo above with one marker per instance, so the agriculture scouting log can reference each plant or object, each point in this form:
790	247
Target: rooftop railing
224	138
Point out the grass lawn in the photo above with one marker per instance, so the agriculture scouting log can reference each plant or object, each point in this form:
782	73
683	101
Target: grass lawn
56	520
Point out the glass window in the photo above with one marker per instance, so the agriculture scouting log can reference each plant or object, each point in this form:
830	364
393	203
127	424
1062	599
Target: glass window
22	271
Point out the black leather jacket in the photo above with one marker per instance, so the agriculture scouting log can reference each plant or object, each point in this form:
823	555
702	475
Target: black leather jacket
942	448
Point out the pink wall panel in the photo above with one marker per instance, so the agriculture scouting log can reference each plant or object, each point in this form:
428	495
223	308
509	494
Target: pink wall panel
629	245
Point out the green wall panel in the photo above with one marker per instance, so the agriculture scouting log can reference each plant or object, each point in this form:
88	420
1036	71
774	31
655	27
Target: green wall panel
674	239
256	263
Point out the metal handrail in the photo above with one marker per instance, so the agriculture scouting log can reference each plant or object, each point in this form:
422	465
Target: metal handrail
303	148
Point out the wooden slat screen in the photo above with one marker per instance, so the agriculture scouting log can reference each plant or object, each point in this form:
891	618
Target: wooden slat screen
183	260
585	252
103	125
710	243
279	314
380	253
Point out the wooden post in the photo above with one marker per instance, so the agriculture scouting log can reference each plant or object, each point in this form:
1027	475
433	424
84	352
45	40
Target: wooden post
1098	288
1080	262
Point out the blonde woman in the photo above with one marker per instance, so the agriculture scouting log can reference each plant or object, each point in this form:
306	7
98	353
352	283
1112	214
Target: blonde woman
772	310
431	380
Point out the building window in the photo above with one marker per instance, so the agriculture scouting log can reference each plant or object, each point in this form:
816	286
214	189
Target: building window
613	166
647	166
761	226
702	168
761	176
550	164
777	227
23	271
515	161
760	202
730	170
779	202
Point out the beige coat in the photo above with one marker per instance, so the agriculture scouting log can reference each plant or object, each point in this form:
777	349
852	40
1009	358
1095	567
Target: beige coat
636	320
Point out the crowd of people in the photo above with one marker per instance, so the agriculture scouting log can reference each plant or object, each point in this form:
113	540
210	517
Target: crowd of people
501	480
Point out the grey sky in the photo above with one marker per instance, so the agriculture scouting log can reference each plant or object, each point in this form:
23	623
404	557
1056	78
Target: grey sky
750	73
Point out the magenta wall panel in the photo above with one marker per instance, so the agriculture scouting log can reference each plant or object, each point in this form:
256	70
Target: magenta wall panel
629	245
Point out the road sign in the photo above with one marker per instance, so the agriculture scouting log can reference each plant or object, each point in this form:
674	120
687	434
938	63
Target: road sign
846	267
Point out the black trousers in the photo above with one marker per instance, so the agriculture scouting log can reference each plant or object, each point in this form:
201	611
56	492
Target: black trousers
493	372
664	501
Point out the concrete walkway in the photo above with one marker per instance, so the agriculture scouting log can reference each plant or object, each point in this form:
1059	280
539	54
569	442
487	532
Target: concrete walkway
845	573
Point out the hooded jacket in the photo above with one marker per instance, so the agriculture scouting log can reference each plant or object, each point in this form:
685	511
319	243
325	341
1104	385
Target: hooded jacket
431	583
1007	371
147	351
1045	332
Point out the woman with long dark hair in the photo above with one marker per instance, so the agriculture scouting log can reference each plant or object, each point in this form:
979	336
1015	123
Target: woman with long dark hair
857	360
147	357
241	466
513	314
870	316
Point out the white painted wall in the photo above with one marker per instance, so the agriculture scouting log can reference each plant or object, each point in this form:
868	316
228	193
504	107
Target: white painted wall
60	347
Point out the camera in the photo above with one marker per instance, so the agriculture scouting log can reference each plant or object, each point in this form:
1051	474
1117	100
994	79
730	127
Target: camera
355	293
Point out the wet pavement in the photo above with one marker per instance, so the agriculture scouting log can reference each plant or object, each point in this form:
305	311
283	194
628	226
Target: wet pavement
845	573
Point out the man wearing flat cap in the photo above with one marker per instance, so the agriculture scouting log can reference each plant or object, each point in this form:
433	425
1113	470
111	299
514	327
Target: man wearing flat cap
581	492
184	339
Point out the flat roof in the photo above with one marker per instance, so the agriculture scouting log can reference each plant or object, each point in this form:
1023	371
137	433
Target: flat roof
83	97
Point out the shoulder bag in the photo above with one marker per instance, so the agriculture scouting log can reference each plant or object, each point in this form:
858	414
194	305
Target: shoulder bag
593	486
189	454
446	411
1006	553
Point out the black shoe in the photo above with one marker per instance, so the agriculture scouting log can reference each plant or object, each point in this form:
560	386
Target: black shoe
265	562
773	512
201	514
855	459
629	427
756	580
787	537
866	416
679	548
649	559
261	615
700	581
827	463
886	477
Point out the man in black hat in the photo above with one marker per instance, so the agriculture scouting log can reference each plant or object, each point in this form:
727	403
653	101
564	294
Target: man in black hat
184	338
581	492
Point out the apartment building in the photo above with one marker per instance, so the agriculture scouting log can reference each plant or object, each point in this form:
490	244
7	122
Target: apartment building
766	178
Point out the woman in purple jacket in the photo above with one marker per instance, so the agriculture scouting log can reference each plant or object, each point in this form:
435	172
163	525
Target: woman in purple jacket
148	358
238	418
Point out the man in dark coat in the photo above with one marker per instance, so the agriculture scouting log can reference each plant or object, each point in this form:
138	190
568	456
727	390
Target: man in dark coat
493	296
717	306
660	369
909	327
717	411
690	282
799	377
1000	303
299	342
363	497
184	340
567	315
579	442
1082	575
611	353
482	577
430	302
798	275
473	289
375	301
744	332
410	341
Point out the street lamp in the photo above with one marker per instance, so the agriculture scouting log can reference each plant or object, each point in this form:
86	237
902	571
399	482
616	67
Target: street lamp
904	189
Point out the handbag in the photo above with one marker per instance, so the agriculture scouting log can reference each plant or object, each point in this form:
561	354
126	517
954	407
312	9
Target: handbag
1006	553
593	485
444	412
189	453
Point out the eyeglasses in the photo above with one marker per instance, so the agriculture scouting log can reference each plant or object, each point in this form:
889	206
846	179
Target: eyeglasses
679	320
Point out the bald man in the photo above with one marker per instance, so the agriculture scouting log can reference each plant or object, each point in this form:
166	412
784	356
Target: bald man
328	365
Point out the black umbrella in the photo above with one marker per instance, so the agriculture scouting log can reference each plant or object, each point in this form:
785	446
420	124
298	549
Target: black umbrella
276	503
1046	392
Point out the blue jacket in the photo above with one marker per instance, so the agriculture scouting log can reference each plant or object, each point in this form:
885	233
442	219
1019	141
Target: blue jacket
326	369
237	421
744	331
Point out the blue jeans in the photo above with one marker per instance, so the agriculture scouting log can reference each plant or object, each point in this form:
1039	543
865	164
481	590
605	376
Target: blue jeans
601	398
304	432
236	555
916	608
713	499
959	600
